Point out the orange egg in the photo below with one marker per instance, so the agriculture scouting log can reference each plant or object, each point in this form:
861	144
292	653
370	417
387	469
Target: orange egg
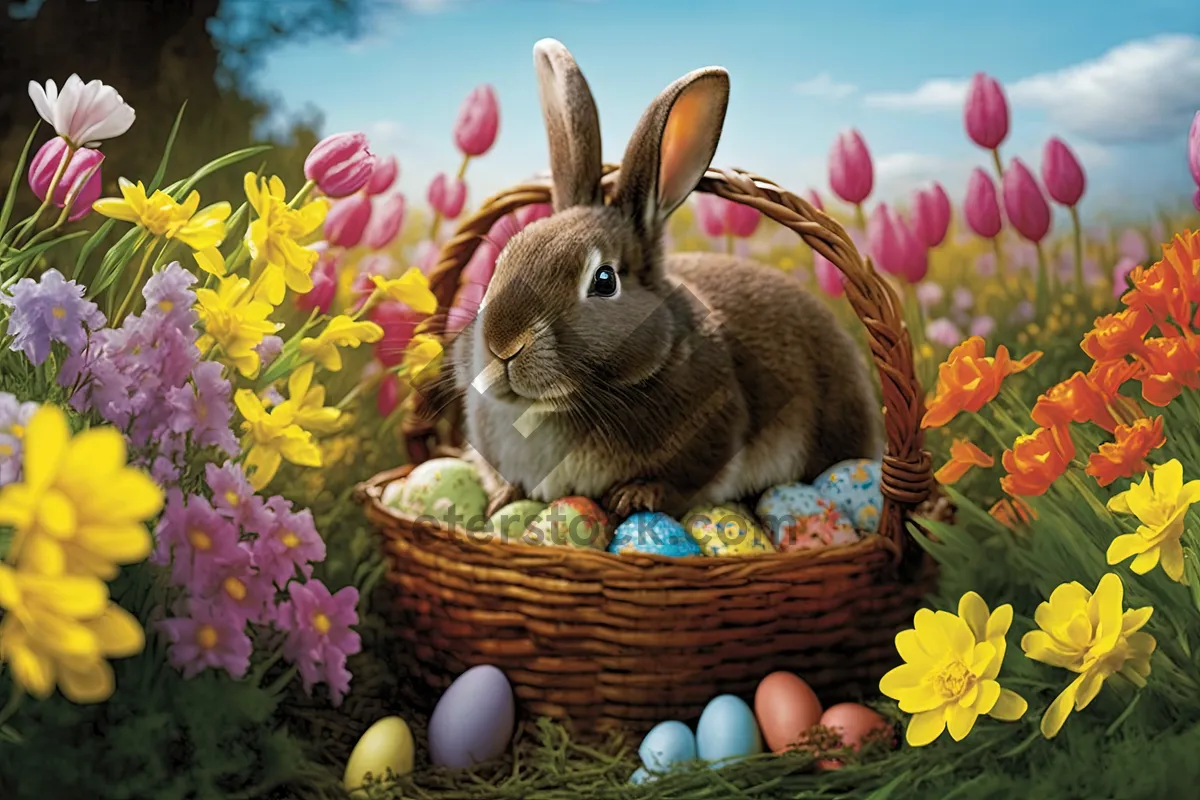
853	722
786	708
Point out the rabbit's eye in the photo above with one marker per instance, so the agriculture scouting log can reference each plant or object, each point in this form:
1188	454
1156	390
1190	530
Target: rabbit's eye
604	282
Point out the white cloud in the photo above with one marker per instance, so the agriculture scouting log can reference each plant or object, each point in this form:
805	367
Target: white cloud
1142	90
825	86
898	174
387	136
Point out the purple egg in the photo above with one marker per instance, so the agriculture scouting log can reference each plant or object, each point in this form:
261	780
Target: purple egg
474	720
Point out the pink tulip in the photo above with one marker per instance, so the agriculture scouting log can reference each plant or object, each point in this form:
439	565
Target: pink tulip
741	220
894	246
340	164
347	219
447	195
1194	149
709	214
325	285
426	255
385	222
388	397
1024	204
478	121
829	278
1121	275
384	174
532	213
851	174
986	112
398	322
1062	173
981	208
815	199
931	214
46	163
1132	245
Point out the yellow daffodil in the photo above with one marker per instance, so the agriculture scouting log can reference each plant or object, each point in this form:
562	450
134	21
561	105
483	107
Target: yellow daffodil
423	358
306	401
285	431
1160	505
235	322
1089	634
59	630
78	508
271	237
949	675
342	331
411	289
161	215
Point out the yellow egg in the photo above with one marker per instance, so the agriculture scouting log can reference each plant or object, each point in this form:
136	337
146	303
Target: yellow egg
727	530
388	744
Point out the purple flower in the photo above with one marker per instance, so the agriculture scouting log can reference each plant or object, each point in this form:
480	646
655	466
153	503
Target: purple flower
49	310
1120	278
1022	313
169	296
14	416
210	636
234	497
983	326
319	637
291	543
269	349
944	332
235	584
929	294
985	265
204	408
963	299
194	539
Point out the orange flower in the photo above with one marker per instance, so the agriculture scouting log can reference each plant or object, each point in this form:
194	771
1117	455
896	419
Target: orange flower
1036	460
1077	399
1127	455
963	456
1171	363
1115	336
1012	512
1157	293
1110	376
968	380
1183	255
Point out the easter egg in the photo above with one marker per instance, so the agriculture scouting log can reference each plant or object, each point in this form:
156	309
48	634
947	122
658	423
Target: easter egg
570	521
653	532
640	776
390	496
510	522
386	745
786	707
853	722
667	744
727	731
473	721
727	530
799	517
447	489
854	487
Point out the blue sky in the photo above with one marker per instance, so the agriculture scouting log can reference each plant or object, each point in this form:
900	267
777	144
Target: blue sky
1118	81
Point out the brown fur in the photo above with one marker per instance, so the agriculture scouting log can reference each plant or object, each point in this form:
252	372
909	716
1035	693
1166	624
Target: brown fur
707	378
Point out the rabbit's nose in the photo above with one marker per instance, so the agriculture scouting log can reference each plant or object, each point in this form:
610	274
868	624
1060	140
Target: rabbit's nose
509	350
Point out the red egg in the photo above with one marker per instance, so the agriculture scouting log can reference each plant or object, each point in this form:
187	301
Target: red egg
853	722
786	708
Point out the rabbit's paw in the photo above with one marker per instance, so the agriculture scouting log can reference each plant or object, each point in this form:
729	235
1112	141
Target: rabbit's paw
623	499
502	496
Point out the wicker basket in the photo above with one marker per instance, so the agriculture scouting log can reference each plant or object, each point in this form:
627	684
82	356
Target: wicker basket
604	640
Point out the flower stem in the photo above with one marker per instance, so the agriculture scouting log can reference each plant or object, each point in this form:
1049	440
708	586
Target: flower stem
1078	248
729	243
137	280
1043	283
282	681
14	703
860	218
997	163
29	223
302	195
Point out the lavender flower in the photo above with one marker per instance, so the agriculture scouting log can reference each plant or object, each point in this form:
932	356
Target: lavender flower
194	539
269	349
963	299
929	294
204	408
1121	275
319	637
210	636
1132	245
1022	313
944	332
985	264
983	326
49	310
291	543
234	498
169	296
239	588
14	416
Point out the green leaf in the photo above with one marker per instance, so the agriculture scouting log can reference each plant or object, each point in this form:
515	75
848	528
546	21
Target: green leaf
30	253
90	246
220	163
11	199
114	260
162	165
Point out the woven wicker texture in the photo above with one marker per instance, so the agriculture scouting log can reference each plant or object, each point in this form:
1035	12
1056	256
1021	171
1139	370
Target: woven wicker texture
608	640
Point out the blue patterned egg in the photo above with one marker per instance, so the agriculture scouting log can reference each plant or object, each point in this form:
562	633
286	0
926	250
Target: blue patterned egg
854	487
655	533
782	506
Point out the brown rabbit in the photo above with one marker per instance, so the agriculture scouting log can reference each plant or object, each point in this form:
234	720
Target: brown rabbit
597	366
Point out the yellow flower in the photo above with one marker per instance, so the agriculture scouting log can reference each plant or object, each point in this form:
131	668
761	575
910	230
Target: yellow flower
342	331
60	629
1160	506
1091	635
285	431
235	322
78	508
411	289
423	358
949	675
271	238
162	216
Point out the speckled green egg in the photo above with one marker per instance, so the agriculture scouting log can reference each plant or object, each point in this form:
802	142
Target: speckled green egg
447	489
727	530
570	521
510	522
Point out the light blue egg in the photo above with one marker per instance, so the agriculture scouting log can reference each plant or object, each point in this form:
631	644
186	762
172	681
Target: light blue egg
655	533
667	744
727	731
782	506
855	487
640	776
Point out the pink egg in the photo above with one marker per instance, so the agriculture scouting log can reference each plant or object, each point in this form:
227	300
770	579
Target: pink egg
853	722
786	708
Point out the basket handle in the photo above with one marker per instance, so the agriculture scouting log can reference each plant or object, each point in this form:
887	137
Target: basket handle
907	475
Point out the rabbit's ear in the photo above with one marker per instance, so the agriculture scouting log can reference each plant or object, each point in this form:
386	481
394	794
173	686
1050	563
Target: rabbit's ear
572	126
672	146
